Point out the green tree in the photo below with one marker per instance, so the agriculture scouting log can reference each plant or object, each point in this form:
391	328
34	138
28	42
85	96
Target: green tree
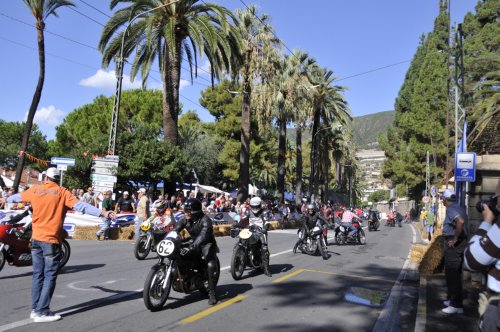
171	31
378	196
9	149
258	45
41	10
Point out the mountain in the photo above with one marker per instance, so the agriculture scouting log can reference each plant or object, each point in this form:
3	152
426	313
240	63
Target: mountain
366	129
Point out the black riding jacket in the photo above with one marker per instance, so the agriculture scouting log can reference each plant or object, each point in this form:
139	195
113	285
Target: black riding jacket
201	230
310	221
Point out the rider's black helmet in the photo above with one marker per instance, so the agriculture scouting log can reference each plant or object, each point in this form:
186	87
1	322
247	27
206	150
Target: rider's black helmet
193	205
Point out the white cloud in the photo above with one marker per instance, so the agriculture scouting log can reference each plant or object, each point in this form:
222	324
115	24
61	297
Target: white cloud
205	68
107	80
49	115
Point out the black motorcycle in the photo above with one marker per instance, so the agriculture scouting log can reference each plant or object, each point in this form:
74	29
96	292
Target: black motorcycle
184	272
314	242
373	221
342	234
247	251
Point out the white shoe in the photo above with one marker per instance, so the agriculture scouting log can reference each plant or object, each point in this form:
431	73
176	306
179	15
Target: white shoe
452	310
33	314
447	303
49	317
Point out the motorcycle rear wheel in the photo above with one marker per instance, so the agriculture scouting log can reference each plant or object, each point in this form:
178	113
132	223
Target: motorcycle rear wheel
140	250
66	252
238	263
154	295
2	260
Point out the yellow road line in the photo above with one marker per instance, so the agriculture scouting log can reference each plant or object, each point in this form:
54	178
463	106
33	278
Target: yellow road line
289	275
348	275
211	310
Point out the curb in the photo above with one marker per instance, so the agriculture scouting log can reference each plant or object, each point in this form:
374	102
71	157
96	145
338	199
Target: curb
421	319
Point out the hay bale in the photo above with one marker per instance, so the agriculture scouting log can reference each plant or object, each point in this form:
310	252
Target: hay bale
119	233
433	257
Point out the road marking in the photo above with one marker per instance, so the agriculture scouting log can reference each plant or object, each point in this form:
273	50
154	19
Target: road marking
16	324
349	275
72	286
285	277
213	309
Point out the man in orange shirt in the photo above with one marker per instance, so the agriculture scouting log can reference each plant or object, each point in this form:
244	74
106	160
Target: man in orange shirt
50	204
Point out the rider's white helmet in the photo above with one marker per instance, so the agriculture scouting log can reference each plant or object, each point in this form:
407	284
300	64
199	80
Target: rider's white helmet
255	204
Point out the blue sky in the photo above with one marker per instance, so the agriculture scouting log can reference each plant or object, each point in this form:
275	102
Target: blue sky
349	37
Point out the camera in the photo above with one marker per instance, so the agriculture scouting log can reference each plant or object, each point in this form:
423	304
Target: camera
492	205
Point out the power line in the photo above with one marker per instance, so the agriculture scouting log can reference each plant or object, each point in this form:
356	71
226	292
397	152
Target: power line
372	70
88	17
97	9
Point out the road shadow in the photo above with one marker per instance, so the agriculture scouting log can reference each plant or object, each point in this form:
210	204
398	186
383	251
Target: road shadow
226	291
26	274
273	268
116	297
79	268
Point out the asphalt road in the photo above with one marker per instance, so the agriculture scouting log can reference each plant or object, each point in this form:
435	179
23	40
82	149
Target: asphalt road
100	289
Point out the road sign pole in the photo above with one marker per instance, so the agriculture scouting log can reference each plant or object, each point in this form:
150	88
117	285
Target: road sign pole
61	179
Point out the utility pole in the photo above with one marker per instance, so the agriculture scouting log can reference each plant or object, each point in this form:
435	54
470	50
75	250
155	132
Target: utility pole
427	175
460	117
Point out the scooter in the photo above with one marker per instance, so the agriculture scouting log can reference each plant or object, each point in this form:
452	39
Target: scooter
15	242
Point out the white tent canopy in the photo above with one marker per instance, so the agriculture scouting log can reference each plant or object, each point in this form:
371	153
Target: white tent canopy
209	189
253	190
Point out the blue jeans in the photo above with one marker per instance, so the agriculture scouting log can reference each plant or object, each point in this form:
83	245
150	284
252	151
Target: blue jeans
138	222
351	228
46	257
104	228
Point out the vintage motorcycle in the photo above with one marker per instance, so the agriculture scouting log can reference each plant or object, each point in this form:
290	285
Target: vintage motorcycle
391	219
373	220
152	232
342	232
247	251
15	242
175	269
315	241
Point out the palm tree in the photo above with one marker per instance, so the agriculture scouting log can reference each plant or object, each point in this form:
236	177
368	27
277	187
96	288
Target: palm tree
258	44
41	10
329	108
171	31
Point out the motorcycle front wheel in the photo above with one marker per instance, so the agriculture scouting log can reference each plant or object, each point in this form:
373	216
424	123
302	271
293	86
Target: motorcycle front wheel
140	250
339	239
2	260
154	294
66	252
238	263
323	249
361	237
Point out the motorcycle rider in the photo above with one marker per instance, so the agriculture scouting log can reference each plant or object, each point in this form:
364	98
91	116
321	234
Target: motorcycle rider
309	220
347	217
255	217
201	230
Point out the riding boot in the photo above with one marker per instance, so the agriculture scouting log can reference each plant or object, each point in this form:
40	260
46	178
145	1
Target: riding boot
211	297
211	270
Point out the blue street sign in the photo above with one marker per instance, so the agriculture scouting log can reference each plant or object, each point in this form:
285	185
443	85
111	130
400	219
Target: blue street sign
465	166
433	191
62	161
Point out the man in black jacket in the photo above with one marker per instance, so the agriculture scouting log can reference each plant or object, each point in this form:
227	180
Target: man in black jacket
201	230
309	220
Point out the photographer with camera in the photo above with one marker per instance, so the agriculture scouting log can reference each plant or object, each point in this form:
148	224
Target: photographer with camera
483	254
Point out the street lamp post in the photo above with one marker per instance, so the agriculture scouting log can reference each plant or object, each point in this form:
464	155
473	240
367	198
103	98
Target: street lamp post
119	78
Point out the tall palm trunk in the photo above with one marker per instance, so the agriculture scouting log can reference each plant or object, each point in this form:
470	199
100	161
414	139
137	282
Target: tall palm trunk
245	133
281	156
298	166
40	26
312	177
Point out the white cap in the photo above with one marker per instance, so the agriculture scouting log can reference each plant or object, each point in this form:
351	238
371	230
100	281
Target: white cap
449	194
142	190
125	192
53	173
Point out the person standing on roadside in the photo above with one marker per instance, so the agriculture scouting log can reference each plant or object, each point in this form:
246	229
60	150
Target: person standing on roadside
106	206
483	254
50	204
89	197
455	241
429	223
125	204
143	212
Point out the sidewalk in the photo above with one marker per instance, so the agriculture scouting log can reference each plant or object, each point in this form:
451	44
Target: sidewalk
432	294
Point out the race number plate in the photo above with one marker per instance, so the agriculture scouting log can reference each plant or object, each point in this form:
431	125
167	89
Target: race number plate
165	248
